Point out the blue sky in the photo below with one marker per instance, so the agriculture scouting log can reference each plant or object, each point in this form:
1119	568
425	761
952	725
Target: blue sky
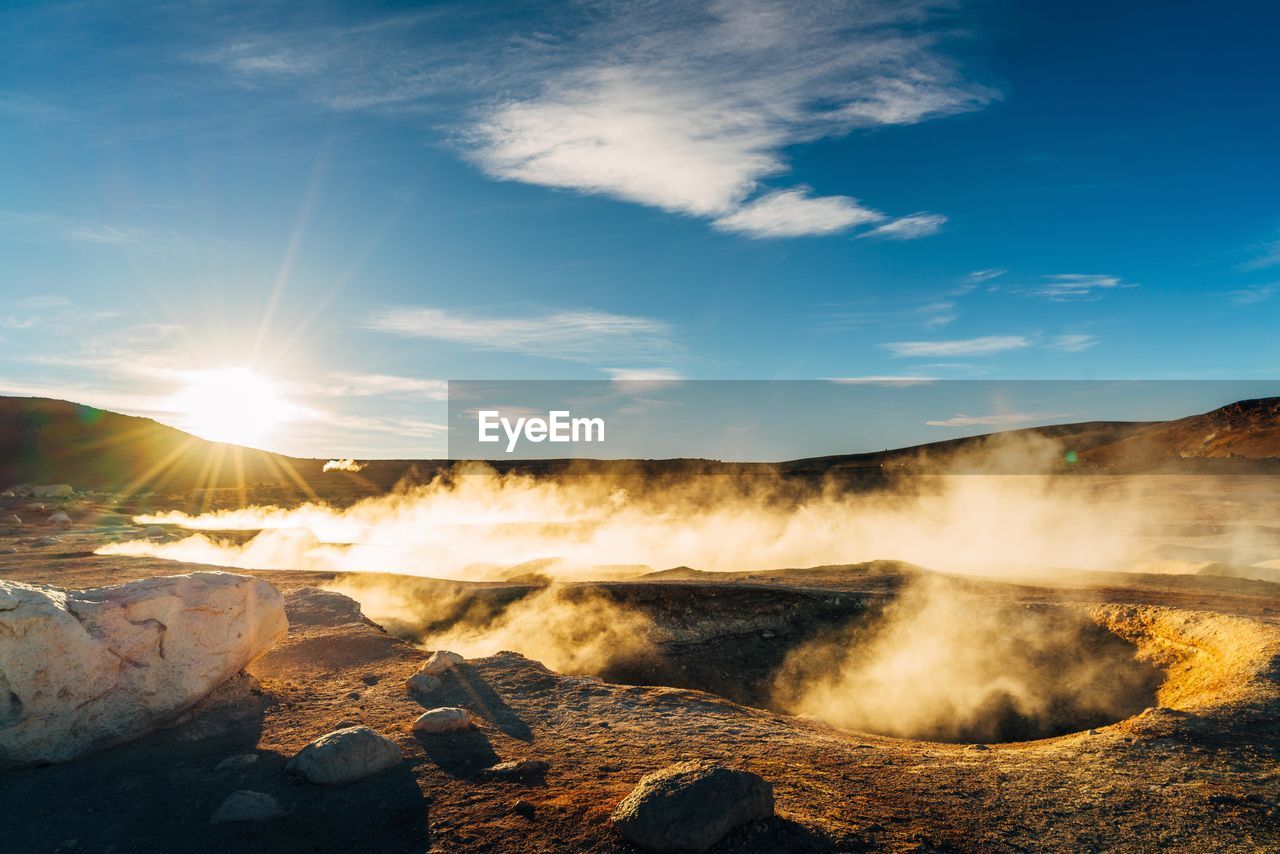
360	201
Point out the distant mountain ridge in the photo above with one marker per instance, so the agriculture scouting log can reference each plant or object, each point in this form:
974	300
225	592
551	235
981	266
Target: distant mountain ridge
45	441
55	441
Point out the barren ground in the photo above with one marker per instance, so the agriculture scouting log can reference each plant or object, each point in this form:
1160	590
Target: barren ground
1199	771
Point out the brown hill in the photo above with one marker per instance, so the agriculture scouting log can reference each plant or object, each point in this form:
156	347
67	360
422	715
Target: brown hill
1246	430
54	441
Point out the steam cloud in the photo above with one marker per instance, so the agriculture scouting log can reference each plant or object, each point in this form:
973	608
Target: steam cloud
573	630
343	465
945	665
479	526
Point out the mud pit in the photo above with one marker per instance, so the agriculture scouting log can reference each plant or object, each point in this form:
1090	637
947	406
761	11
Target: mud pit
928	661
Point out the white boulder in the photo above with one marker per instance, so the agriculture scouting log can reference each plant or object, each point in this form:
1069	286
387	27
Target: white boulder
53	490
60	519
84	669
440	662
345	755
447	719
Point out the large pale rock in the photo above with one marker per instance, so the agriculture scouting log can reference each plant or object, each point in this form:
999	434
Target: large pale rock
690	806
447	719
345	755
53	490
85	669
441	662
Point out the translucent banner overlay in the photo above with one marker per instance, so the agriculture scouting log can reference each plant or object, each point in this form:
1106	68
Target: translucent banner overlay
1100	424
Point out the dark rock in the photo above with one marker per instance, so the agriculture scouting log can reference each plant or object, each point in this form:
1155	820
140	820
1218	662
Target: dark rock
246	805
312	606
690	806
345	755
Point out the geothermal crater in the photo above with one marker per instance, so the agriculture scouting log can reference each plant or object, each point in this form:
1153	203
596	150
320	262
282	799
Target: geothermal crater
926	661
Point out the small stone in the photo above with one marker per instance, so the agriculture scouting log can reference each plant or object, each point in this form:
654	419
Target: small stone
519	769
60	518
446	719
523	808
345	755
978	747
423	682
237	762
441	661
13	520
246	805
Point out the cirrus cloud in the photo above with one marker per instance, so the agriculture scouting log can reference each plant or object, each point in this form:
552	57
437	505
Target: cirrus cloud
911	227
794	213
577	336
984	346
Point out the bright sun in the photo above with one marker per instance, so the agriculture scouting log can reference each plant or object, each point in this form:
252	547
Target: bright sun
232	405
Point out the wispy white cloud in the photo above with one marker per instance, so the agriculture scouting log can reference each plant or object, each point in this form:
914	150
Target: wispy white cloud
686	106
1266	255
643	376
979	276
911	227
939	314
398	425
379	385
985	346
1072	343
1253	294
795	213
250	56
844	316
886	380
997	419
579	336
33	109
1076	287
44	227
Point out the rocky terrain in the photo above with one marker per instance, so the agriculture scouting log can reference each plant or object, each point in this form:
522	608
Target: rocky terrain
157	705
1198	769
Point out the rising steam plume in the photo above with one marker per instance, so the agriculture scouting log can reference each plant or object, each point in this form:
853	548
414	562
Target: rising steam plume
935	666
474	524
944	664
